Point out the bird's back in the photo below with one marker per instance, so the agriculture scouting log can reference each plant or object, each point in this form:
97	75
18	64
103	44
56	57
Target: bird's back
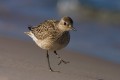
46	29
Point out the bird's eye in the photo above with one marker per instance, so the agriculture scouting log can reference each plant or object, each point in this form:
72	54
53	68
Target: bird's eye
65	23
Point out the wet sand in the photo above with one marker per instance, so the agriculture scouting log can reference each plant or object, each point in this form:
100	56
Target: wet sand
22	60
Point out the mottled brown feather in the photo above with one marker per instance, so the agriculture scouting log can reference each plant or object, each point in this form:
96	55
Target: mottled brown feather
52	34
46	29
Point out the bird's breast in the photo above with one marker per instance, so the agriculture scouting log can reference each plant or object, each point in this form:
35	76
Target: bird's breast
57	44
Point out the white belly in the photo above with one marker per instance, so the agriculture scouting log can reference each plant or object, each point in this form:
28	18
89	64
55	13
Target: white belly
49	45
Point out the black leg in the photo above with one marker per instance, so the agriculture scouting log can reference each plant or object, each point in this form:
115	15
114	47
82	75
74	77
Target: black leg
61	60
49	63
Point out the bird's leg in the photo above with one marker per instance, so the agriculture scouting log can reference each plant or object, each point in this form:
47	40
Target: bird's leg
61	60
49	63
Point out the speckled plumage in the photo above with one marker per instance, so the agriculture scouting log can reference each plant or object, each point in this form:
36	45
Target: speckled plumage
45	29
52	34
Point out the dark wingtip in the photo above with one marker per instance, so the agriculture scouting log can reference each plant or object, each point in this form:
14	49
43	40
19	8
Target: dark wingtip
29	27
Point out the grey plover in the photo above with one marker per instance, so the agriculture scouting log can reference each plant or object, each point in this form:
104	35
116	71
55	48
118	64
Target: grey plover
52	35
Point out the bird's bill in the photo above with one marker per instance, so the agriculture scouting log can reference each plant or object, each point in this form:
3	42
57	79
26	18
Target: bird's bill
74	29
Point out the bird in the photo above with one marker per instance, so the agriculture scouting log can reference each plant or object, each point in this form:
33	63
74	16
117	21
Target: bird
52	35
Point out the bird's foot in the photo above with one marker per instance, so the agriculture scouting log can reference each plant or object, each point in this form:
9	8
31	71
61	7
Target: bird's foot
51	70
62	61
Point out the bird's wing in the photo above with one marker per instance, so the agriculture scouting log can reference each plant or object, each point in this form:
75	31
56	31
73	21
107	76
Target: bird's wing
45	30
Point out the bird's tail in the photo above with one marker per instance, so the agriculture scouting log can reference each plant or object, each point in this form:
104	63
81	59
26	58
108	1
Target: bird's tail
27	33
30	28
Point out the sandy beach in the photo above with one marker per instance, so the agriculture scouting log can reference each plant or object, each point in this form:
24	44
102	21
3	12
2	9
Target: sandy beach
22	60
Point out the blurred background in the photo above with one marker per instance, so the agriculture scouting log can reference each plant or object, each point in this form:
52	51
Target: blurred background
97	23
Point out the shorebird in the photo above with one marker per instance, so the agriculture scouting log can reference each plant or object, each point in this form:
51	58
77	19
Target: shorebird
52	35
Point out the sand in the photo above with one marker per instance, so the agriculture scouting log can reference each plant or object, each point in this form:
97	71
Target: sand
22	60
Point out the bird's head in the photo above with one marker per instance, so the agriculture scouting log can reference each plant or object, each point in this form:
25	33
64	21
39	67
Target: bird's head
66	24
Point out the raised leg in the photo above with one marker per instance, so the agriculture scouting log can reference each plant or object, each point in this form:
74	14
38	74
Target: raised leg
61	60
49	63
